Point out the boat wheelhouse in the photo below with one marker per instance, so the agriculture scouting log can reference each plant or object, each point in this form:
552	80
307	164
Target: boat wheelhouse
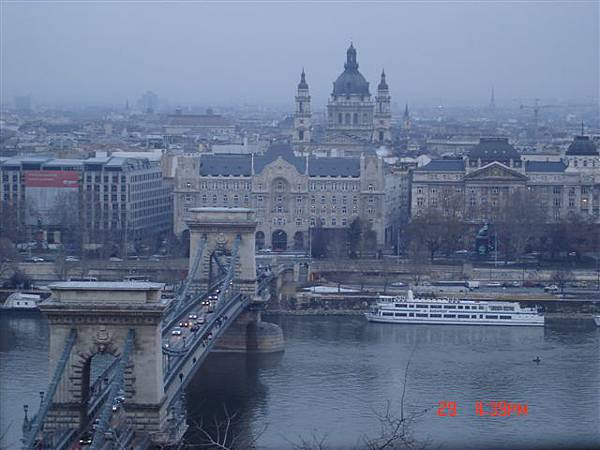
390	309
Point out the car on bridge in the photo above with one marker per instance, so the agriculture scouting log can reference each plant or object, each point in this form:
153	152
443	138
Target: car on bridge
193	316
177	332
184	324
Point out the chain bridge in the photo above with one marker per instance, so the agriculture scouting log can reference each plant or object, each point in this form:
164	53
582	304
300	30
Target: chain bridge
155	344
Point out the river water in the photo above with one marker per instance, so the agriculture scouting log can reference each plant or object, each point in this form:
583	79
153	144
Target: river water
338	373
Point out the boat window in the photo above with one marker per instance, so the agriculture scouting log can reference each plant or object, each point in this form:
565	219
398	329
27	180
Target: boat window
448	306
467	307
400	314
411	314
387	314
436	306
473	316
398	305
489	316
481	308
481	316
495	308
435	315
459	307
420	305
421	315
463	316
506	317
411	306
509	308
449	316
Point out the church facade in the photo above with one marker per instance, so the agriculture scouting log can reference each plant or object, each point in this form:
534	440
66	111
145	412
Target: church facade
355	121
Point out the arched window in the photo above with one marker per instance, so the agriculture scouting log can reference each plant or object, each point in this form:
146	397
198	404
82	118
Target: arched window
347	118
301	135
355	119
300	107
340	118
279	240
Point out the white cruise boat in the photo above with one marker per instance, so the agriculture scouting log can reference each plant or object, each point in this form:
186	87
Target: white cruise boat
18	300
448	311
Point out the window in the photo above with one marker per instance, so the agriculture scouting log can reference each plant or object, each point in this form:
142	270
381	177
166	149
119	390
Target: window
449	316
339	118
421	315
400	314
322	199
506	317
370	188
491	316
463	316
435	315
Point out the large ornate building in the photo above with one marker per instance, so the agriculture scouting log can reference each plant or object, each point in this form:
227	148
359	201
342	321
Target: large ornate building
492	169
355	121
290	194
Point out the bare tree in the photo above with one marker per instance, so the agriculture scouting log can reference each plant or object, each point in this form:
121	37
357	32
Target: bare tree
8	256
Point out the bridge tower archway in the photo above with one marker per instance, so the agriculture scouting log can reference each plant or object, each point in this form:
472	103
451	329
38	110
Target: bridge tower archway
215	231
101	314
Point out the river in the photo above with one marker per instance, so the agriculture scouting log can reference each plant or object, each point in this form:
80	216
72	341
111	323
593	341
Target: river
338	373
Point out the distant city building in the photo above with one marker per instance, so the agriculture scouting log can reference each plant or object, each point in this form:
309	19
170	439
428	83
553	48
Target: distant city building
124	198
290	194
492	169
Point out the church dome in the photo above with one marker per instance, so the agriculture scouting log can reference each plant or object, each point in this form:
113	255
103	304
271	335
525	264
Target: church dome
351	80
582	146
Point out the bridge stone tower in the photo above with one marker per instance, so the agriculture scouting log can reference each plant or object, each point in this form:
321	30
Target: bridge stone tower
219	228
102	313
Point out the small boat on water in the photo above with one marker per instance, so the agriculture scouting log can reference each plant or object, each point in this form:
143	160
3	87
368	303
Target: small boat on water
597	320
21	301
447	311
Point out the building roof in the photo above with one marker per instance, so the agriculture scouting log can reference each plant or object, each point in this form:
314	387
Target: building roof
582	146
226	165
106	285
383	86
199	120
281	150
444	165
351	80
545	166
241	165
333	167
303	84
493	149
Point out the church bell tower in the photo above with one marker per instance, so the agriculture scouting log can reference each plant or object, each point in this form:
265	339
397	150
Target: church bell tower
302	117
382	119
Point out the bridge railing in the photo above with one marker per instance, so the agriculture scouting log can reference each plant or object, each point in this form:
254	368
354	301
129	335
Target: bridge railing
236	304
38	420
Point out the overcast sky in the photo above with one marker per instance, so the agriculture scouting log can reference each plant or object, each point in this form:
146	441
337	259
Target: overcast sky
210	53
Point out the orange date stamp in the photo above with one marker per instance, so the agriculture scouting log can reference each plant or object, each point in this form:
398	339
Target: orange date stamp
483	409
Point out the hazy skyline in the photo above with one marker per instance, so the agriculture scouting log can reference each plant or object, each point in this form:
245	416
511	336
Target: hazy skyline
201	53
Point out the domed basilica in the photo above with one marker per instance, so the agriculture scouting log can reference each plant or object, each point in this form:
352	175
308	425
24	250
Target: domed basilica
354	122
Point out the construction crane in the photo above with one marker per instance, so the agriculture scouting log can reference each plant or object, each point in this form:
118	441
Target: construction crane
536	110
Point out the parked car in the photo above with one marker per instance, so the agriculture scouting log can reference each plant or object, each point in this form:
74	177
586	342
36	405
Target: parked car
115	258
71	259
494	284
398	284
